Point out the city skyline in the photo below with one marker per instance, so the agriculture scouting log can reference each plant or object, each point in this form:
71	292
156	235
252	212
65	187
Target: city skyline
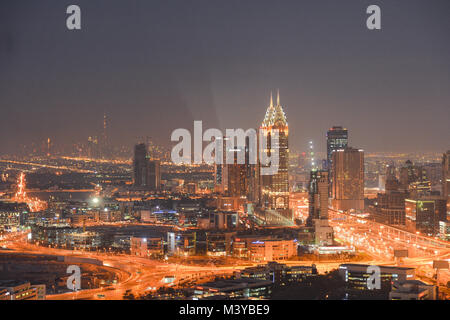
387	88
224	151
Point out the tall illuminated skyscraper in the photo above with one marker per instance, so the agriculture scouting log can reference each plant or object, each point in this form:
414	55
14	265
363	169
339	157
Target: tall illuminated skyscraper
348	179
275	188
337	138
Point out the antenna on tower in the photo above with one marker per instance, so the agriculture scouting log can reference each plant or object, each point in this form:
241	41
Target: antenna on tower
104	127
311	153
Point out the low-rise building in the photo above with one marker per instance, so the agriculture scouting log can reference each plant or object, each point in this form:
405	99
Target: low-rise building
412	290
234	289
277	273
272	250
357	275
19	290
181	243
146	247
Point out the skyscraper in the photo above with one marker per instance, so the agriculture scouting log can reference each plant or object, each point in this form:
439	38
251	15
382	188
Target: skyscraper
318	208
237	177
348	179
337	138
146	172
104	145
446	175
318	196
153	174
140	165
275	188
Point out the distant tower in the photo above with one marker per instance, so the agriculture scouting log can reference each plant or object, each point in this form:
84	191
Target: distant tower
318	196
237	177
146	172
105	135
337	138
312	156
140	165
48	147
104	138
446	175
275	188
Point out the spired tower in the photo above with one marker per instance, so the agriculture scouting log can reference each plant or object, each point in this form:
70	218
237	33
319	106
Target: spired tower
275	188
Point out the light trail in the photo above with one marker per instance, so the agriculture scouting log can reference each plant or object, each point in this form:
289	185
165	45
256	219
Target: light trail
33	164
34	204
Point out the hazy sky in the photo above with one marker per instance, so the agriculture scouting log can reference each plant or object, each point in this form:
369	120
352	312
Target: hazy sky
154	66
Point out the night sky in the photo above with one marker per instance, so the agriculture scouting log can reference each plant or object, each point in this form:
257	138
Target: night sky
154	66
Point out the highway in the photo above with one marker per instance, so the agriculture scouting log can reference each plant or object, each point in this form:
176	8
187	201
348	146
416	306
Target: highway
137	274
142	275
380	241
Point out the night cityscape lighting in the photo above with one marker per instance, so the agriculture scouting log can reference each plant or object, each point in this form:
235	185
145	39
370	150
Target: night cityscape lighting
224	150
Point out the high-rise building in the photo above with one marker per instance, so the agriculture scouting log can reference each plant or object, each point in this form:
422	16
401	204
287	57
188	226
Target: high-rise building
146	172
275	188
407	174
337	138
389	207
318	196
104	140
425	213
446	175
348	179
414	179
252	176
318	208
153	174
237	177
140	165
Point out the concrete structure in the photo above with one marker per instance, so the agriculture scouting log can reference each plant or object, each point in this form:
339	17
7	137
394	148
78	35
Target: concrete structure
356	275
234	289
348	179
337	138
323	233
19	290
275	188
277	273
412	290
146	247
181	243
272	250
425	213
146	172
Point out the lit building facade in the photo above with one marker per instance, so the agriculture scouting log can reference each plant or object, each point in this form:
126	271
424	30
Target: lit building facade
348	179
357	275
146	247
146	172
272	250
425	213
337	138
446	176
318	195
275	188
